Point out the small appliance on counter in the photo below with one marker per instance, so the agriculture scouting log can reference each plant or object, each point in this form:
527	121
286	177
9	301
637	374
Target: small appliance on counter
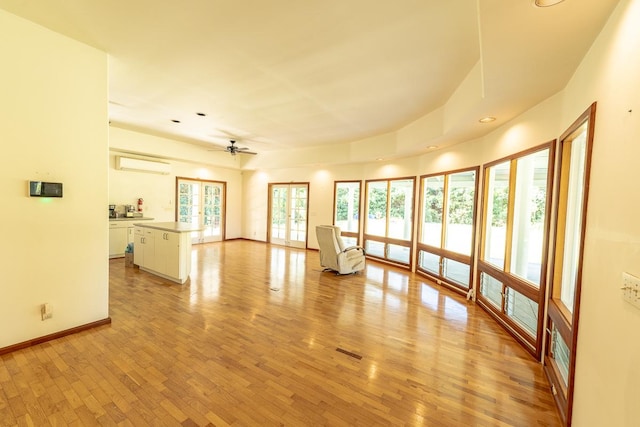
130	210
112	211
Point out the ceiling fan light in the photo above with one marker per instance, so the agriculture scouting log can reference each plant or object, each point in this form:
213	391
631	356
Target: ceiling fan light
546	3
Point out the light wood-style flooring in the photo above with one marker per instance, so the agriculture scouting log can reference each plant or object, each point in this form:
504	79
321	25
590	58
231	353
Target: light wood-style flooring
259	336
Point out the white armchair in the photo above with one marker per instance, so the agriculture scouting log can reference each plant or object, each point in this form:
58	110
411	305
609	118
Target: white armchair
334	256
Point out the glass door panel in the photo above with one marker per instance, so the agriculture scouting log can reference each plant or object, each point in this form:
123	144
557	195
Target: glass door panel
288	214
201	203
212	211
279	208
298	216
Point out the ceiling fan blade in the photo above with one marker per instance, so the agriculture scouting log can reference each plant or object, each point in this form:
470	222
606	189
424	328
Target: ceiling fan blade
233	149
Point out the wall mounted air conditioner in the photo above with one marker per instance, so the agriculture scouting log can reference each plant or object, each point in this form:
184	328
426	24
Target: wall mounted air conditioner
140	165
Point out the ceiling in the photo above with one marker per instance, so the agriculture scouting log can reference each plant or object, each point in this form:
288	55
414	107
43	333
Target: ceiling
279	74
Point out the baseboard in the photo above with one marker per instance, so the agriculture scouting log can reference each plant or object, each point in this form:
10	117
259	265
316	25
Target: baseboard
54	336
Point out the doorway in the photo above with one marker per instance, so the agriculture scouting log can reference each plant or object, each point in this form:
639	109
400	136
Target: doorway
288	214
201	202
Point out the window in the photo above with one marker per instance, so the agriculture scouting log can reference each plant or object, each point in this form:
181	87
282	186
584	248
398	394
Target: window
513	250
388	226
574	161
347	210
447	218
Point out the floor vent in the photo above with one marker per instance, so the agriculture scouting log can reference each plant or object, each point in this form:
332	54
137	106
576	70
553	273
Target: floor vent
348	353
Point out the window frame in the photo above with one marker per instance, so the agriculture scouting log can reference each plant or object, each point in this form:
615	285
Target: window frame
441	251
532	343
386	240
565	322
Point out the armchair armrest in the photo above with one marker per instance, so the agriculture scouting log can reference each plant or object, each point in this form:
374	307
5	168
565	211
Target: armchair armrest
352	248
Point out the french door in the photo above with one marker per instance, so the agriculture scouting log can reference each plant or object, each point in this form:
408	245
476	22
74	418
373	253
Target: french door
288	214
201	202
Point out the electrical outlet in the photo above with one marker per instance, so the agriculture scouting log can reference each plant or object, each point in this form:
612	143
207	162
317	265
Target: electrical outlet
46	311
631	289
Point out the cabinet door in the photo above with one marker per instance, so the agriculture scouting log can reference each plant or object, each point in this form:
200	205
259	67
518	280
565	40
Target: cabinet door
130	235
144	248
167	251
150	258
117	240
138	247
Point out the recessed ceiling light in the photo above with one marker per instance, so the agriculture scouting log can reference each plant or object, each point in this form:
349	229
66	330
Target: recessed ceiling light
487	119
175	121
201	114
546	3
432	147
379	159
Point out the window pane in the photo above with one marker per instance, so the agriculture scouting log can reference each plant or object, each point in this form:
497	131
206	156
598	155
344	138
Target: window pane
560	353
456	271
491	289
496	214
377	208
400	209
398	253
374	248
347	207
523	310
529	216
573	221
349	241
460	198
432	203
429	262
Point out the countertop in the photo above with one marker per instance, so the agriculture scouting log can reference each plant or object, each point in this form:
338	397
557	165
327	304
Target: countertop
140	218
179	227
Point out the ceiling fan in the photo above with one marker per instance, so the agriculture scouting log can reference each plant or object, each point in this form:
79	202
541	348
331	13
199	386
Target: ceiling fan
233	149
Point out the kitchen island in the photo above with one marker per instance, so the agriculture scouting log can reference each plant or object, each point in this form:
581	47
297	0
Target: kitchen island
164	249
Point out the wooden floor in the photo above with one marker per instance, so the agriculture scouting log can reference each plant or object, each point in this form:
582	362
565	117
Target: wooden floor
252	340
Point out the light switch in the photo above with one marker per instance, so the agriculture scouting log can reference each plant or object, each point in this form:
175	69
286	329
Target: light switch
631	289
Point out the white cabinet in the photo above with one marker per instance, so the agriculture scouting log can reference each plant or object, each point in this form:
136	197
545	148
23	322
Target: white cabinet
144	249
120	234
168	253
164	253
117	239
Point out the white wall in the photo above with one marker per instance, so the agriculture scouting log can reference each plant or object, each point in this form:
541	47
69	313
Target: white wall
54	128
158	191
